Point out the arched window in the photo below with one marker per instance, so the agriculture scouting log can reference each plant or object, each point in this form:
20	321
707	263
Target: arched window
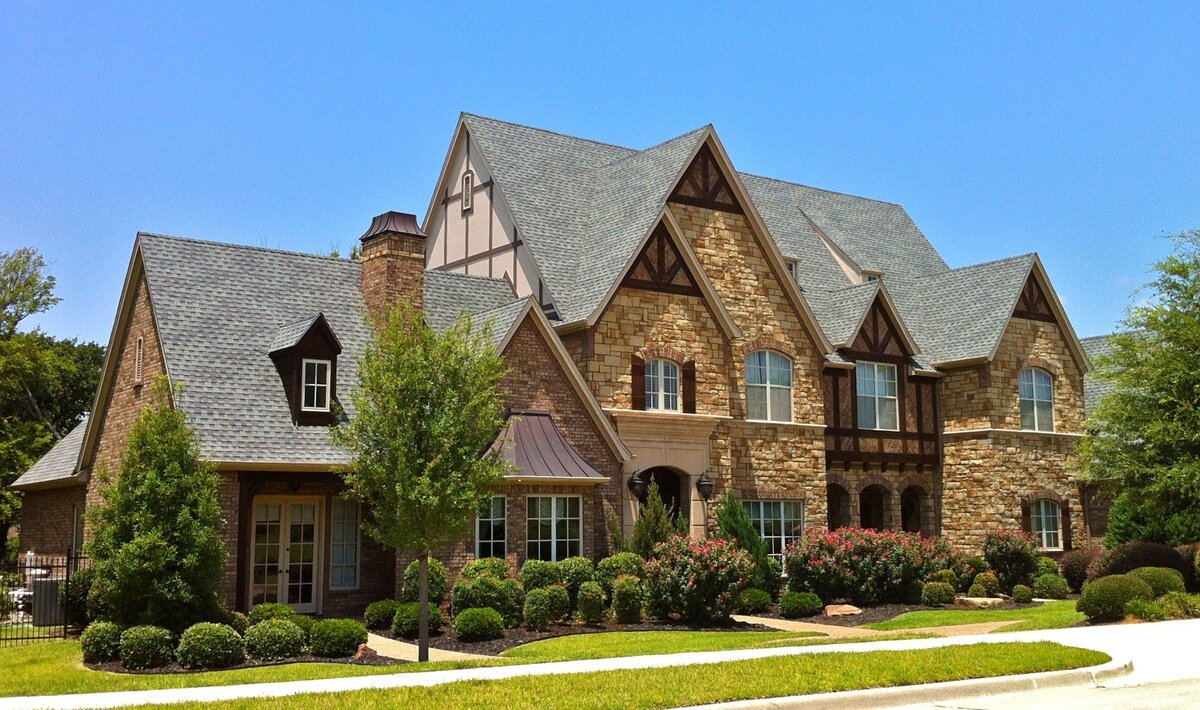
662	385
768	386
1045	521
1037	400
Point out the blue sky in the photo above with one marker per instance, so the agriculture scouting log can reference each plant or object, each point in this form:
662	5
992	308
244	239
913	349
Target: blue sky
1069	129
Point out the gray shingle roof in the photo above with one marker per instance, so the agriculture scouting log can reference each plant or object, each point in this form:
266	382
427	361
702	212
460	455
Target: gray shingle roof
500	320
1096	347
290	334
839	312
449	295
57	464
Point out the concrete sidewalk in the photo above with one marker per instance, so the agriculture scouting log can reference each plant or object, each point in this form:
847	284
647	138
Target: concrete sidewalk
1162	650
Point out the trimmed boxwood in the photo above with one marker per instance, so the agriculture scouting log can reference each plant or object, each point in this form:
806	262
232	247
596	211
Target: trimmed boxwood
270	610
753	601
406	622
146	647
989	582
497	567
101	642
1104	599
379	615
630	563
937	594
207	645
797	605
305	623
1051	586
1162	580
236	620
628	597
479	625
1129	556
977	590
437	582
538	609
537	574
946	576
337	638
1046	565
573	572
486	591
274	640
560	602
1022	594
590	602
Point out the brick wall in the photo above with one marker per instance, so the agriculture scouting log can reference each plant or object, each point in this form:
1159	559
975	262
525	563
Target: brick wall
48	519
393	267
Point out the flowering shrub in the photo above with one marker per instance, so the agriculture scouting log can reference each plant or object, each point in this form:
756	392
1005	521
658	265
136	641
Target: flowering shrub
696	580
1012	555
863	565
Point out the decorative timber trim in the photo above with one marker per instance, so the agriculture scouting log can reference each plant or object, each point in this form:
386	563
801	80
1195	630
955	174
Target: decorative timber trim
704	185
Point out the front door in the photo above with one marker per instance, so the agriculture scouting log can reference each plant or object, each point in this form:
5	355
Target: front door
285	561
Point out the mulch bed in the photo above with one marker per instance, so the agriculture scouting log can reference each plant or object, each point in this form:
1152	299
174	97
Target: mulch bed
116	667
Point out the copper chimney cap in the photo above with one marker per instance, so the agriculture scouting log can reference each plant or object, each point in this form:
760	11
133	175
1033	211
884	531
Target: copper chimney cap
394	223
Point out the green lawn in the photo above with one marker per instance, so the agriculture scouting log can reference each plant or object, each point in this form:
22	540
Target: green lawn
1051	615
646	643
709	683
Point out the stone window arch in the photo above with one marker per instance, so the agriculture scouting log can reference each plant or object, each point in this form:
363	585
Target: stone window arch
1036	394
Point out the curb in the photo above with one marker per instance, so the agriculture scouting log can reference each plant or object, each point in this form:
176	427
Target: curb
934	692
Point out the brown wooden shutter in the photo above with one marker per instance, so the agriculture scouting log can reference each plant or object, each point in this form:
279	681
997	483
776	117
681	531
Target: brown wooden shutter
1065	521
638	371
1026	523
689	387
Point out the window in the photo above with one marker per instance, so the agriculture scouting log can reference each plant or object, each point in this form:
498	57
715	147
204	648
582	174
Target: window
346	522
768	387
490	538
137	362
662	385
1037	400
877	403
779	522
316	386
791	268
554	529
468	191
1045	520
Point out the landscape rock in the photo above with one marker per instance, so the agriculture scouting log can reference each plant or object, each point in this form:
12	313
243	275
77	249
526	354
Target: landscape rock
842	610
978	602
365	652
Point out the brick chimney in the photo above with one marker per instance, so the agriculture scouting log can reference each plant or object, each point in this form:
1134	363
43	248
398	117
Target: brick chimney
393	263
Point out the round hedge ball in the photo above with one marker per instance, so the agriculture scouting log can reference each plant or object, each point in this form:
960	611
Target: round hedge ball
146	647
208	645
1022	594
379	614
406	622
101	642
479	625
337	638
274	640
796	605
937	594
1104	599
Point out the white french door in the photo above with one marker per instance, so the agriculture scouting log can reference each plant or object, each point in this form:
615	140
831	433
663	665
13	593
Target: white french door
285	560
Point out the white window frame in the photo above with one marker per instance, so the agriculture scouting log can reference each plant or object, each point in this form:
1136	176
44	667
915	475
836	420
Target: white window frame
334	521
766	388
305	384
657	379
468	191
757	509
480	519
554	538
1035	399
878	401
1039	516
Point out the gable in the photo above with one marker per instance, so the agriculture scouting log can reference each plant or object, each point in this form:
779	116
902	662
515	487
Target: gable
660	267
878	335
704	185
1032	303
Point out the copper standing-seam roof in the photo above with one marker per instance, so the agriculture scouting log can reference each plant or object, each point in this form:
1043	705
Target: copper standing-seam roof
532	443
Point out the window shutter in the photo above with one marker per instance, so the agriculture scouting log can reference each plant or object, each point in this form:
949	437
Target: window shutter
689	387
1065	521
638	371
1026	523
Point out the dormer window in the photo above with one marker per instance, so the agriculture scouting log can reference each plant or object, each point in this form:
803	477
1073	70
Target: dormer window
316	386
468	191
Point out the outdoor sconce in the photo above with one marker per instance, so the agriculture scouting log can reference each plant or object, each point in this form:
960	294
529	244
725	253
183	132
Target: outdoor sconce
637	486
704	486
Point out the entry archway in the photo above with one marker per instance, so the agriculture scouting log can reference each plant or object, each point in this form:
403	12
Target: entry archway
671	485
872	507
912	509
839	506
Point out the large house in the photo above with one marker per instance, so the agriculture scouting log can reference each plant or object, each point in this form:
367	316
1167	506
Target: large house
665	319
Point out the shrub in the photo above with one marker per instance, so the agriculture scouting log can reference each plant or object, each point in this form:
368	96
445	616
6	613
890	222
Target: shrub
73	598
236	620
479	625
628	597
654	524
911	591
560	602
101	642
945	576
977	590
1161	579
146	647
734	524
379	614
539	574
753	601
1074	566
486	567
1051	586
437	582
488	592
1146	611
337	638
796	605
406	622
538	611
937	594
696	580
610	568
1104	599
1022	594
274	640
573	572
968	568
1125	558
863	565
207	645
591	602
989	582
266	612
305	623
1179	605
1046	565
1012	556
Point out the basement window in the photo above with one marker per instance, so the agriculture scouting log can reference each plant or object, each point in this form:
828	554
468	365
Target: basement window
316	386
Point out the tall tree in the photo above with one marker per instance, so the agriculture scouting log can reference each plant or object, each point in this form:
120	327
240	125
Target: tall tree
1145	433
426	407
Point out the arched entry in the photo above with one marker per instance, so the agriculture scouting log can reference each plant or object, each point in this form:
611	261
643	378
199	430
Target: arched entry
671	488
912	509
872	507
839	506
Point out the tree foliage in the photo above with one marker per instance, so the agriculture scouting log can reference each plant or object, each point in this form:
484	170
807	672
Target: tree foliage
654	524
156	546
1145	433
426	408
25	288
734	524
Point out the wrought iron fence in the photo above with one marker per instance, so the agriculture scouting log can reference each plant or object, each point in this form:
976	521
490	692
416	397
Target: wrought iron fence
32	595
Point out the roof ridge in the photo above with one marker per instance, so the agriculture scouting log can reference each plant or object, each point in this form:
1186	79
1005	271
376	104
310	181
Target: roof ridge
659	144
250	247
1001	260
550	132
819	189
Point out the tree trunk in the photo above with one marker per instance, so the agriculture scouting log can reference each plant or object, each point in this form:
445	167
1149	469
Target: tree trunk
423	599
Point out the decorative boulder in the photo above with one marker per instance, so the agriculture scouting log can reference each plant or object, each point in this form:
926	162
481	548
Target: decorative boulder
842	610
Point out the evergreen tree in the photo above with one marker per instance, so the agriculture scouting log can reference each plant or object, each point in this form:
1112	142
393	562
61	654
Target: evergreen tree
734	524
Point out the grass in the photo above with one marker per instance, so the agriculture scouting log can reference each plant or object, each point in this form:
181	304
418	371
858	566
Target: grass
1050	615
54	668
646	643
709	683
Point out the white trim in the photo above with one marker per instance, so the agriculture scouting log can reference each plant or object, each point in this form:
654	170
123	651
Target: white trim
1034	400
1040	534
895	398
553	532
304	384
319	579
504	507
138	360
357	543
